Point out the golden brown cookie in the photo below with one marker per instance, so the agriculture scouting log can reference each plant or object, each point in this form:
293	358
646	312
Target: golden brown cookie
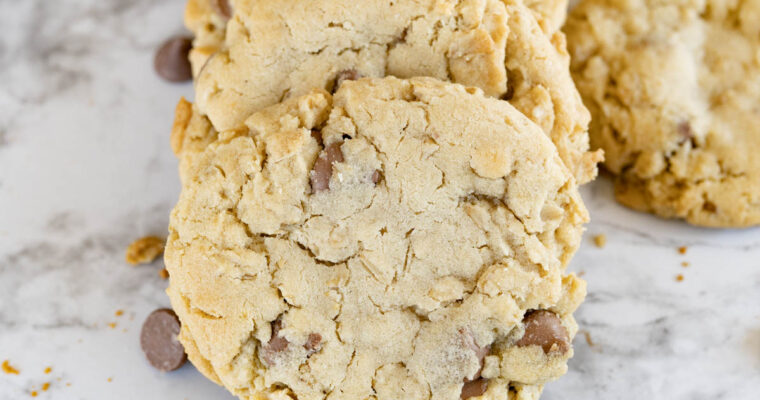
400	239
674	89
274	50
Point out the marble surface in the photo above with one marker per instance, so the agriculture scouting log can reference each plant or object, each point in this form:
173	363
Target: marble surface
85	168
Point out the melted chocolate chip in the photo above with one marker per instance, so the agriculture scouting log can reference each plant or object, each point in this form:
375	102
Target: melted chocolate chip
684	131
313	342
346	75
171	62
474	388
159	341
276	344
322	171
544	328
376	176
222	7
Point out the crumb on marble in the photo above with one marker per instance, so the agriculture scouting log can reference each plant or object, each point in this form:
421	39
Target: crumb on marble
9	369
163	273
48	370
144	250
587	335
45	386
112	325
679	277
682	250
33	393
68	384
110	379
581	273
684	264
119	313
600	240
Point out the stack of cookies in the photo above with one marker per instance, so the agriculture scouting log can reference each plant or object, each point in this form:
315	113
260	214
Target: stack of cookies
379	198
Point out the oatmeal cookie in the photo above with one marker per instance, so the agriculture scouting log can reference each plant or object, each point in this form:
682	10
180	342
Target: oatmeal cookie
674	89
400	239
274	50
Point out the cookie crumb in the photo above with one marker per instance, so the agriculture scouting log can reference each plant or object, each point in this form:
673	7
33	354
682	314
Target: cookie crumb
112	325
682	250
9	369
587	335
48	370
163	273
684	264
581	273
144	250
600	240
45	386
119	313
679	277
68	384
33	393
110	379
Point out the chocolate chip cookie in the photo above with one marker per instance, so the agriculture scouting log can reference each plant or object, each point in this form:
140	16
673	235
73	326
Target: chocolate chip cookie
400	239
271	51
674	89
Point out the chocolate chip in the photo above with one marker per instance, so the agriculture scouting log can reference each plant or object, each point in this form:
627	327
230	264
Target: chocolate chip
480	351
317	135
222	7
684	130
709	207
322	171
474	388
159	341
376	176
313	342
685	133
276	344
544	328
171	62
345	75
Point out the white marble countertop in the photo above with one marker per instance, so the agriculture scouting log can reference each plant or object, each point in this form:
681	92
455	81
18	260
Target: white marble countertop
85	167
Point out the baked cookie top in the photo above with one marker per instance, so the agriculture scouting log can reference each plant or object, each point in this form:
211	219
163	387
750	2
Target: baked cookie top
674	89
400	239
274	50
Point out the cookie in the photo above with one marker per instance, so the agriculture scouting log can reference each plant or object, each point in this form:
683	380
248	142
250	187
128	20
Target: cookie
550	14
674	89
207	19
276	50
398	239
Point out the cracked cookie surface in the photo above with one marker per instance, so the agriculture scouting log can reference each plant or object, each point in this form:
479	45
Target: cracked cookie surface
400	239
273	50
674	90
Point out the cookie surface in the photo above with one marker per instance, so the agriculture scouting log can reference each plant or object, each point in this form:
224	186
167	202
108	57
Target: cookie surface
400	239
273	50
674	89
